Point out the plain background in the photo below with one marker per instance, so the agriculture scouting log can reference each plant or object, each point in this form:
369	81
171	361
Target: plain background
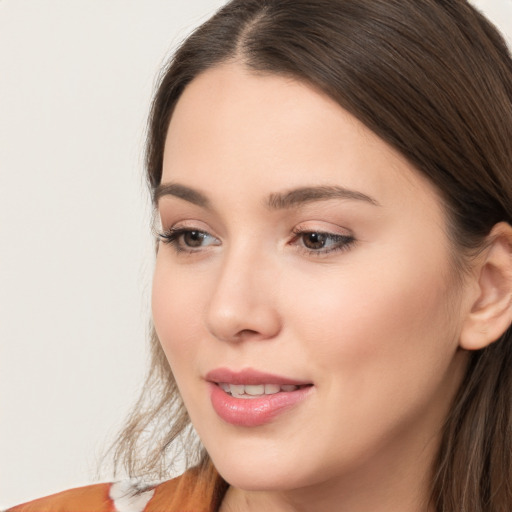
76	77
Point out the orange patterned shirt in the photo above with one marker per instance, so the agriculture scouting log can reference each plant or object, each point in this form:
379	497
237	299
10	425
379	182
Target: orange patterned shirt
194	491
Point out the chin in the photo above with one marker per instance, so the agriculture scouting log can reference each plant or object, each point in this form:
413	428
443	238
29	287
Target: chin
264	470
259	479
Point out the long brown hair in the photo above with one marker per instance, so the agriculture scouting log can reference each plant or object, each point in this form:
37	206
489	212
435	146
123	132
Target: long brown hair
433	78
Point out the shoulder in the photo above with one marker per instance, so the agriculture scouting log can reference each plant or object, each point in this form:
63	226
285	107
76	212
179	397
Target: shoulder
190	491
93	498
107	497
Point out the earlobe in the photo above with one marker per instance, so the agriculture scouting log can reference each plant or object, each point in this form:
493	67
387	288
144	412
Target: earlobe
490	313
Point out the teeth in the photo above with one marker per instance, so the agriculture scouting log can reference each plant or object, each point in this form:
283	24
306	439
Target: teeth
255	390
271	389
237	389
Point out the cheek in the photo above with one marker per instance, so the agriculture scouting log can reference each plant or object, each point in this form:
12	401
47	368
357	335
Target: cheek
176	309
386	321
382	344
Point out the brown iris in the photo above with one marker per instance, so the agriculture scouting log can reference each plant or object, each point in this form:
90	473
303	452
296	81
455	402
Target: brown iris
314	240
193	238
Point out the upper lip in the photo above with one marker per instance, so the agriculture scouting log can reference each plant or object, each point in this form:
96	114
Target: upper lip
250	376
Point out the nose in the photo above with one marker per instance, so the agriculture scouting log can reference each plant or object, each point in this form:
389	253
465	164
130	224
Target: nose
243	304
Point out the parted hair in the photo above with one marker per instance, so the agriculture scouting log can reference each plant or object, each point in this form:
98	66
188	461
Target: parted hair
432	78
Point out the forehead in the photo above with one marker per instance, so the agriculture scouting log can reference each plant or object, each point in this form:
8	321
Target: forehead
243	132
235	110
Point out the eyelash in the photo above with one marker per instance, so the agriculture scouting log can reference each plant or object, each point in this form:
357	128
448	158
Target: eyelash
174	236
340	242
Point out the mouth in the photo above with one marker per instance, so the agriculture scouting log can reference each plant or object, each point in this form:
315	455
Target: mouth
250	398
252	391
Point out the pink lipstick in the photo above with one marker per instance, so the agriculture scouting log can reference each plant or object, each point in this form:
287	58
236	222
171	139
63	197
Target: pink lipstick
250	398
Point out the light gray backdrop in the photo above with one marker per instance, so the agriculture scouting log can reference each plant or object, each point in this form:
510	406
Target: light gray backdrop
75	257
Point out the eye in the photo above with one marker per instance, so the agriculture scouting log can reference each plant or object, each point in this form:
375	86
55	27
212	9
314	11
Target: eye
187	240
315	241
194	238
320	242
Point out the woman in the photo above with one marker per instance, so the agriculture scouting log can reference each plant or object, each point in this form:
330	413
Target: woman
333	284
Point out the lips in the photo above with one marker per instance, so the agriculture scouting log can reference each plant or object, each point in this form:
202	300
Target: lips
250	376
251	398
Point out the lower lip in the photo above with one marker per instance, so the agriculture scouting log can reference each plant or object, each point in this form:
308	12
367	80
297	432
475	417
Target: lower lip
252	412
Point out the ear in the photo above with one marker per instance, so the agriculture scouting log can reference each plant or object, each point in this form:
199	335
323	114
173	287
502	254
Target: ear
490	313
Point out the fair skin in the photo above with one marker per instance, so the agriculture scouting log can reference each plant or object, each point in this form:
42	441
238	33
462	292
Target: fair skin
353	293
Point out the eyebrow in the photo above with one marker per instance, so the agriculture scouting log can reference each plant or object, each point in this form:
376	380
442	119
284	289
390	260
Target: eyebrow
303	195
186	193
278	201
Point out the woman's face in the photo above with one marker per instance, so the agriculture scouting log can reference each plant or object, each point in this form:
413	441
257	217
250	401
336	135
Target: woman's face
303	293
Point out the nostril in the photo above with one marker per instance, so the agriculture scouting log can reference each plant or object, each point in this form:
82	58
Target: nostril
246	333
